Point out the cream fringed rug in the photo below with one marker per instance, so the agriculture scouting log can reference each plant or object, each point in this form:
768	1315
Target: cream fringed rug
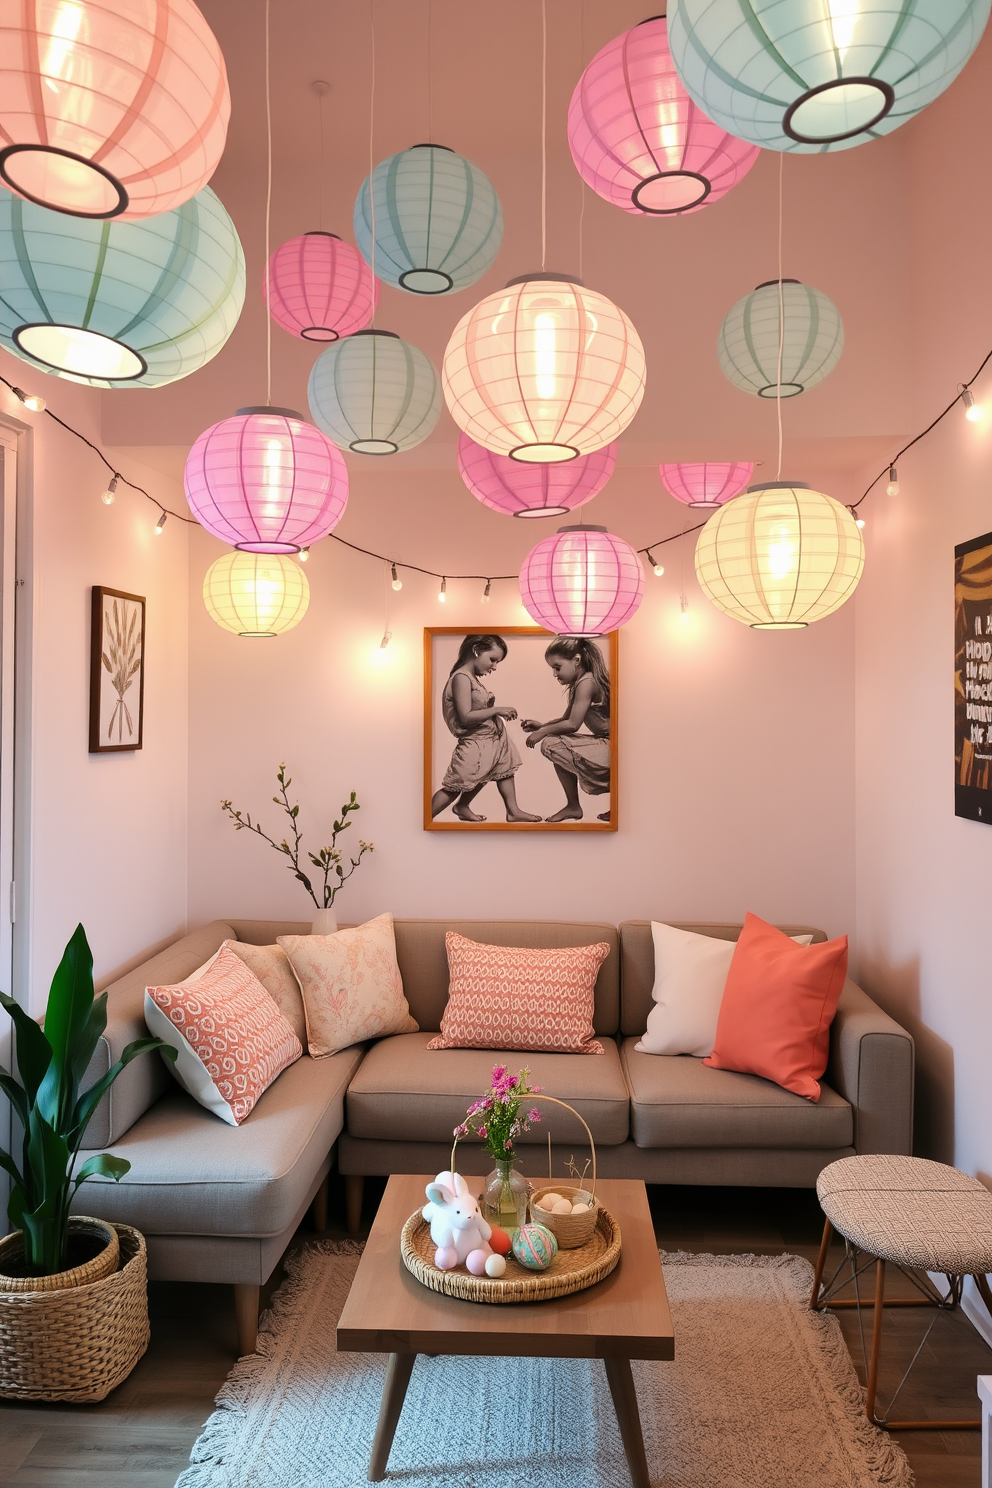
762	1394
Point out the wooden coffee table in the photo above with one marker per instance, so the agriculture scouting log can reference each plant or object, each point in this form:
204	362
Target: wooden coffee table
622	1318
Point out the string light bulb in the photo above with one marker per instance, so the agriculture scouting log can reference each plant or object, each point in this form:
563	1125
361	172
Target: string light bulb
387	636
397	582
892	489
303	554
684	608
859	521
656	567
486	593
442	593
30	400
108	496
163	517
972	410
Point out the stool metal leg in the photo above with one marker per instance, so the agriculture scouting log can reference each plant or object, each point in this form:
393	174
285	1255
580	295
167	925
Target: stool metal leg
821	1261
876	1339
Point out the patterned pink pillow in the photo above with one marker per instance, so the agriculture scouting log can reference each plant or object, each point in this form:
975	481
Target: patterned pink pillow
231	1039
508	997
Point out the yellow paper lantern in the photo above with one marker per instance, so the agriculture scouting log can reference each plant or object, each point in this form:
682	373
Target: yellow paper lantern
544	370
780	556
256	594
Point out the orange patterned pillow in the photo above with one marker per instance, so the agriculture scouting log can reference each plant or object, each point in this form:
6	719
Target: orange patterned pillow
509	997
231	1039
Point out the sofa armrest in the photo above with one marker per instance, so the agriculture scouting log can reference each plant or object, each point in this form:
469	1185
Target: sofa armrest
871	1065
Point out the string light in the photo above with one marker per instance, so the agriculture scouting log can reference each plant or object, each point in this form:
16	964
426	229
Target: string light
303	554
972	410
30	400
387	636
163	517
657	568
892	489
108	496
486	592
442	593
397	582
859	521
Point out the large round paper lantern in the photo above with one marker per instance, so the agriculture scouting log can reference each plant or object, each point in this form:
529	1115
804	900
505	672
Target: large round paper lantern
256	594
544	370
815	75
584	581
119	304
748	343
706	483
780	556
319	288
438	221
638	139
374	394
520	490
266	481
110	108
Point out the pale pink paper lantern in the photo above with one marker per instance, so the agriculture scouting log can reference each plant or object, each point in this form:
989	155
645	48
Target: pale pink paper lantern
110	108
266	481
707	484
638	139
584	581
319	288
520	490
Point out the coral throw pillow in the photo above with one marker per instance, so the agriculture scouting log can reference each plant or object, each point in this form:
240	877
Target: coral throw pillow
508	997
778	1005
272	967
352	988
230	1038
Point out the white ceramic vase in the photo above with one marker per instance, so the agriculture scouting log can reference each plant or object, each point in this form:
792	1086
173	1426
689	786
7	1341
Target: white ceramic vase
325	922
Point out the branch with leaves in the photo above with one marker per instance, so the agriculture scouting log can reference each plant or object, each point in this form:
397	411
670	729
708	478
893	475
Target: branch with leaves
328	861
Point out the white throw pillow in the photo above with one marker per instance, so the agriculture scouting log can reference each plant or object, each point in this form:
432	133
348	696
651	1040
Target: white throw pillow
690	973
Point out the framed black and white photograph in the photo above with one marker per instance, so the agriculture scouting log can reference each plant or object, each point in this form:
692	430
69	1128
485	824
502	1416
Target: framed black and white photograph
973	679
520	731
117	671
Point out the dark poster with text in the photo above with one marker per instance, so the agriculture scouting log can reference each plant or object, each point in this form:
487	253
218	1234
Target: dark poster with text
973	679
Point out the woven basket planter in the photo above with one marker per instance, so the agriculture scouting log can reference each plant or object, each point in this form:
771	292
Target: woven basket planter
79	1342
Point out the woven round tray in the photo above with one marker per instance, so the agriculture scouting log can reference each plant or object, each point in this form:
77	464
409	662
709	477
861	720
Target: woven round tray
570	1271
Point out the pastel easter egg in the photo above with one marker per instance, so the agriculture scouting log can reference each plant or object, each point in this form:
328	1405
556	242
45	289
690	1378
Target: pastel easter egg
534	1247
499	1241
579	1208
562	1206
476	1262
495	1265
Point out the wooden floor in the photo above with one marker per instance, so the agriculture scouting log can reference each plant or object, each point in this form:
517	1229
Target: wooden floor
140	1437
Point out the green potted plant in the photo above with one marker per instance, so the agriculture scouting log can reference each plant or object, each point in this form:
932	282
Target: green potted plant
50	1251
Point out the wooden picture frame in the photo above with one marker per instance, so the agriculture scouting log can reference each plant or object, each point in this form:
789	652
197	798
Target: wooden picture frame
541	780
973	679
117	671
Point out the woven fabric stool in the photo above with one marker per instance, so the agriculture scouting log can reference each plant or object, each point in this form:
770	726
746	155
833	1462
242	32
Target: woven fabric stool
918	1215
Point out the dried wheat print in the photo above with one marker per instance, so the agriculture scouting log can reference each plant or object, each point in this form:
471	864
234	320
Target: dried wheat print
117	670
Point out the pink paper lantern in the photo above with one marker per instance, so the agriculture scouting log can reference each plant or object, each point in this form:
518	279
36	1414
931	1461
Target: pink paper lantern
707	483
638	139
266	481
319	288
520	490
584	581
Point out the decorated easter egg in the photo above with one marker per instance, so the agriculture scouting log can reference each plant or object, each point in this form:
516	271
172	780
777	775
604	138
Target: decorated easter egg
499	1241
476	1262
495	1265
534	1247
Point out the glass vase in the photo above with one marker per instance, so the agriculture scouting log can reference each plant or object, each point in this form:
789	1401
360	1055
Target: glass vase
504	1201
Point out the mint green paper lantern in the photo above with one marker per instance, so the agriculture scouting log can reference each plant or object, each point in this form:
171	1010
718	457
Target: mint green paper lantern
817	75
748	343
119	304
373	393
438	221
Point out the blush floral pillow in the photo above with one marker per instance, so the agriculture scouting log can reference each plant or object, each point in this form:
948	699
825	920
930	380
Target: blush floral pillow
271	965
351	983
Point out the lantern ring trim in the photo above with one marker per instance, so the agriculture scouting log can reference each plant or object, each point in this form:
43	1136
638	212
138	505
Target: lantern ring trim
325	334
407	278
48	325
268	408
775	389
888	99
282	549
381	447
543	511
635	195
571	453
123	199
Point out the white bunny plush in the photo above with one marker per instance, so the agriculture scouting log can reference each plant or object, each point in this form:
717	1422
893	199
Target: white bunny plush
457	1228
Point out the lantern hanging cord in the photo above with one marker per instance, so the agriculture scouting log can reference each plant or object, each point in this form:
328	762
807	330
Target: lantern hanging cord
430	72
372	148
268	212
544	135
582	184
781	320
320	185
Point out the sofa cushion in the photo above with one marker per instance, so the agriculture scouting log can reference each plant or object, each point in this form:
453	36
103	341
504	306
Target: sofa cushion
194	1175
678	1101
402	1090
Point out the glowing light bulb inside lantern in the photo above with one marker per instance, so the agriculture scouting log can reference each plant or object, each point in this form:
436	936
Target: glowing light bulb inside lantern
545	354
57	66
273	461
844	15
781	555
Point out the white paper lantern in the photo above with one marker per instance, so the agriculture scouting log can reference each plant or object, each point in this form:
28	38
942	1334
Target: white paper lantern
748	343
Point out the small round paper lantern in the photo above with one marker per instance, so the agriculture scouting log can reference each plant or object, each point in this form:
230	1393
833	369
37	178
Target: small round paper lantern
544	370
110	108
638	139
319	288
584	581
780	556
520	490
256	595
374	394
804	76
119	304
266	481
747	345
707	483
438	221
534	1246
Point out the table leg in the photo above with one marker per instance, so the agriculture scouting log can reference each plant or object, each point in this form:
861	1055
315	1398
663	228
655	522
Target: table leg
621	1383
398	1372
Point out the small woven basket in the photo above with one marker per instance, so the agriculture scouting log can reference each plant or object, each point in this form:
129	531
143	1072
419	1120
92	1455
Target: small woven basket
80	1342
570	1230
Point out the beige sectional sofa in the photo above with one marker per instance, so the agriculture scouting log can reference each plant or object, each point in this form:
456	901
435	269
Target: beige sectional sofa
220	1203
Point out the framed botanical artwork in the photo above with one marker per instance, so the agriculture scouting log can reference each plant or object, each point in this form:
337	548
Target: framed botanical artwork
117	671
973	679
520	731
